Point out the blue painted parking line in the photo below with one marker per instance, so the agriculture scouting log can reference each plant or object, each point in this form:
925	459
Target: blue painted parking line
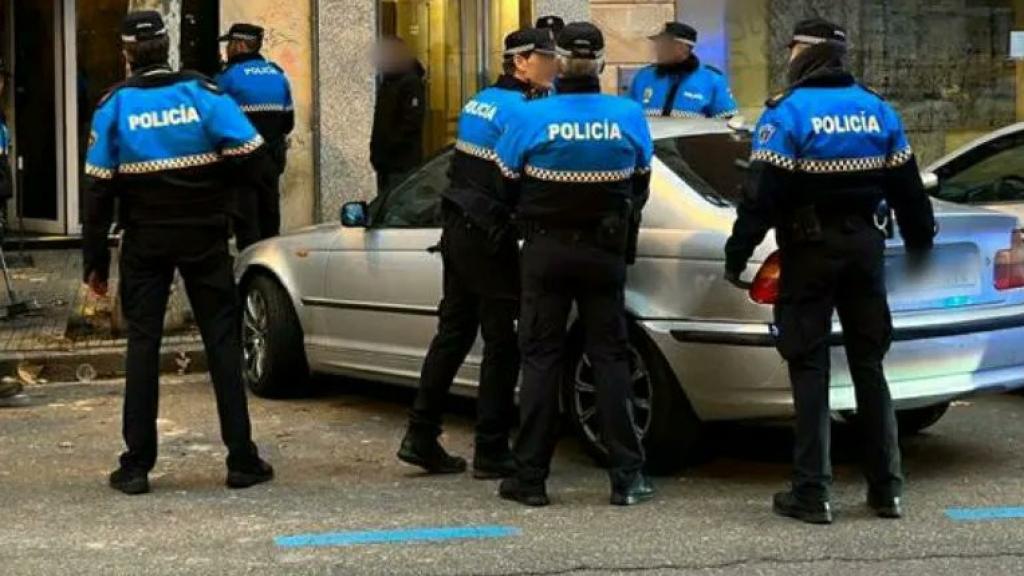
981	514
437	534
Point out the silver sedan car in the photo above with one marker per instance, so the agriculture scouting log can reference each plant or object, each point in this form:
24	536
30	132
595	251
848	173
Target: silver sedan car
359	299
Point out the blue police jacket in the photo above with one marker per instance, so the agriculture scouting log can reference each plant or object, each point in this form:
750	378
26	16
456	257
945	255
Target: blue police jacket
687	90
835	145
475	177
165	144
6	177
577	156
262	89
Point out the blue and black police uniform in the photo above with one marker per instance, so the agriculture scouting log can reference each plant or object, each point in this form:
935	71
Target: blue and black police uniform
579	164
262	90
481	280
6	175
687	89
164	145
828	155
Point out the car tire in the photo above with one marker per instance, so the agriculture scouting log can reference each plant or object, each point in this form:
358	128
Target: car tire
670	429
915	421
273	355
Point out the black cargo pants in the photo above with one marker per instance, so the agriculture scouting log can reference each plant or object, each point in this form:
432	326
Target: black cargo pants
259	200
556	273
149	257
481	295
844	272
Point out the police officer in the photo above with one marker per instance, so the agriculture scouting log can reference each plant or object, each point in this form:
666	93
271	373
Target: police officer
163	145
828	155
6	176
579	163
481	273
262	89
679	85
553	25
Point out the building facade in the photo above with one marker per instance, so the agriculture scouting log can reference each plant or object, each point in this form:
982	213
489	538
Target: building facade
945	64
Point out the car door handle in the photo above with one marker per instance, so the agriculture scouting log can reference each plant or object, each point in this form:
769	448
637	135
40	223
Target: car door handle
434	249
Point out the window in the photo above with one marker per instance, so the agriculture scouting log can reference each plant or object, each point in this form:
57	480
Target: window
416	203
993	172
714	165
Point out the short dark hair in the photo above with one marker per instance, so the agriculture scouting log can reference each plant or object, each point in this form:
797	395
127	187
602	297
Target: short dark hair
148	52
508	66
251	45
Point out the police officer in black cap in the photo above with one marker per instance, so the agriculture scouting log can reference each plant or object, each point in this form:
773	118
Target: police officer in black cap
679	84
165	144
481	272
579	163
262	89
829	159
553	25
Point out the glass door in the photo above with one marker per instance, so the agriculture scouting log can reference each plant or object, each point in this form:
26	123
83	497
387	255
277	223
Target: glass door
459	42
38	115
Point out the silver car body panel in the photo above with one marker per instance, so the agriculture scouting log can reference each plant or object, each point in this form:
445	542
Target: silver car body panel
367	301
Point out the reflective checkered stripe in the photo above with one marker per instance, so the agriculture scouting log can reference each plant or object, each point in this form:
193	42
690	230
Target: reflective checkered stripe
505	170
244	149
474	150
98	172
579	177
727	114
900	158
179	163
841	165
773	158
256	108
643	170
652	113
687	114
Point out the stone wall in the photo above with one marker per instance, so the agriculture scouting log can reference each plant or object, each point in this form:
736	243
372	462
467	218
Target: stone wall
943	63
347	31
626	25
570	10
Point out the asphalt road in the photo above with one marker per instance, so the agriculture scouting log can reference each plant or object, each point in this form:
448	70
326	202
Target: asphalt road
337	475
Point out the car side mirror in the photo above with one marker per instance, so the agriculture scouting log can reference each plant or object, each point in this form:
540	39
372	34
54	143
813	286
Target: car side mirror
930	180
355	215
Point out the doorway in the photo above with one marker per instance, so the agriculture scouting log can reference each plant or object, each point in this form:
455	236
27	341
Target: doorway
38	122
460	43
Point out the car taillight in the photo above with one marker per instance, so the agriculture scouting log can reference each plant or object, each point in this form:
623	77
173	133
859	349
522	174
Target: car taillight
1009	271
765	288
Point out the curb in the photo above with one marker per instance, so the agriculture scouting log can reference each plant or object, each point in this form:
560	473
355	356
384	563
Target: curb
101	363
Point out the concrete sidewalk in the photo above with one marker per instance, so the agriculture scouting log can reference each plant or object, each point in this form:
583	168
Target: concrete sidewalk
73	335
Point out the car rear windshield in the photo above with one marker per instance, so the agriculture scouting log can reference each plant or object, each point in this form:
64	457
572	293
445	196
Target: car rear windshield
714	165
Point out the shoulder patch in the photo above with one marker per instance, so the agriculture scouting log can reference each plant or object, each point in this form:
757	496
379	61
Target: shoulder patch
714	69
871	90
778	99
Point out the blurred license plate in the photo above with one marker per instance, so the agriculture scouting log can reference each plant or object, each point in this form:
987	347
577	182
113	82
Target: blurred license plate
951	277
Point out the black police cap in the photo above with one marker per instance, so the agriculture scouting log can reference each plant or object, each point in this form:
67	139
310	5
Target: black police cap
142	25
245	32
679	32
581	40
529	40
553	23
818	31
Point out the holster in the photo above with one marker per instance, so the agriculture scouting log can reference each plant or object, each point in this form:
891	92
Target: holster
615	232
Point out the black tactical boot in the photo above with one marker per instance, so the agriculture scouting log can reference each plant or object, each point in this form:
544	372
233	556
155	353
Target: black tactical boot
889	507
251	474
790	505
491	462
639	490
529	495
425	451
129	481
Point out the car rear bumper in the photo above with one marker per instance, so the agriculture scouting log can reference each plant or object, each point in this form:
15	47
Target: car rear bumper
731	371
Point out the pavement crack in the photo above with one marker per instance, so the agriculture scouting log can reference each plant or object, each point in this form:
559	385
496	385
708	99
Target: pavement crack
758	561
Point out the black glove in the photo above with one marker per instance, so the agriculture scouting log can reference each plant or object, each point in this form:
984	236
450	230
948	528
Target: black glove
916	262
733	277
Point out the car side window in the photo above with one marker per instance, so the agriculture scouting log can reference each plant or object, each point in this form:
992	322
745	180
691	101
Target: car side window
415	203
993	172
